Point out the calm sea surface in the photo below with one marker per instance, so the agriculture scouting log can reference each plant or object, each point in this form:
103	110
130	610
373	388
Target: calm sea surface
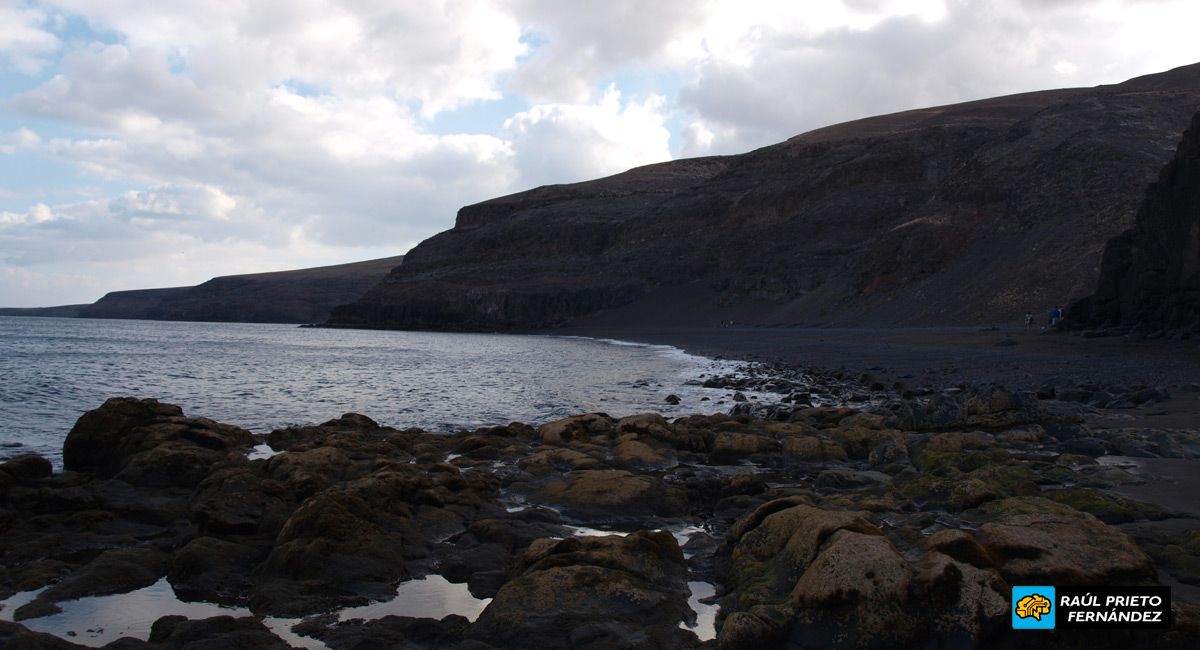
264	377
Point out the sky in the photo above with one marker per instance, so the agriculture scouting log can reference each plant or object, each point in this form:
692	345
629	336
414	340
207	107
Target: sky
159	143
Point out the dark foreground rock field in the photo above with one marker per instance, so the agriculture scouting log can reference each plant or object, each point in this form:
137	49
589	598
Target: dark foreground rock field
901	525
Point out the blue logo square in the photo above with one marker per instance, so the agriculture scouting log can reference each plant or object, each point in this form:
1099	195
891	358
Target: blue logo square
1033	608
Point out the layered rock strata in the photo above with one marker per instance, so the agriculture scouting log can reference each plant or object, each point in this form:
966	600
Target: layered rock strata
1150	275
976	212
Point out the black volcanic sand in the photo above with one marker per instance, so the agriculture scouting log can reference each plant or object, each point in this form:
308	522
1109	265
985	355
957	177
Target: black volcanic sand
940	357
944	357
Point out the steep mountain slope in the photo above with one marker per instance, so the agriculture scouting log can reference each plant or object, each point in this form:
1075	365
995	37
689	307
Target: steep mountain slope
1150	276
302	296
975	212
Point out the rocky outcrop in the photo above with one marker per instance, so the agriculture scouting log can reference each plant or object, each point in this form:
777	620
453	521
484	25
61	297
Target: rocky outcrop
970	213
902	526
1150	274
301	296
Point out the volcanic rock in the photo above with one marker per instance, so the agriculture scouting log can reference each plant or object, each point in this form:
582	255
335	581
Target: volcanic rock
1150	274
931	216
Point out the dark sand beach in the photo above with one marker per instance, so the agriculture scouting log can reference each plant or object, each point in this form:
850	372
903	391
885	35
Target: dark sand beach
943	356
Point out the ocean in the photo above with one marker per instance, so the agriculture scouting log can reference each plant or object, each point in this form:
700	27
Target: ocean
264	377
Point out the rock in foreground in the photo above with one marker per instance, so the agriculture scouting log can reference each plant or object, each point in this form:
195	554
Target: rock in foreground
902	527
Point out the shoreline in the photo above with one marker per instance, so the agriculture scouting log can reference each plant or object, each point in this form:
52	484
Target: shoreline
947	356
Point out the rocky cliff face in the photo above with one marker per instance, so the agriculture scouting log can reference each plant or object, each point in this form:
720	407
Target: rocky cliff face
969	213
1150	276
302	296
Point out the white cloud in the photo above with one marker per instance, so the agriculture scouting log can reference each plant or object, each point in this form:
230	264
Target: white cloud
22	138
290	131
22	39
770	76
558	143
441	53
588	42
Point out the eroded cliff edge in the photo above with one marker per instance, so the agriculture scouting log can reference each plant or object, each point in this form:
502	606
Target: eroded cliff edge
959	214
1150	277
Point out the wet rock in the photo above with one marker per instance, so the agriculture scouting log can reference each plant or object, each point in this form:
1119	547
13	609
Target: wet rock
961	546
146	443
1093	447
677	435
830	579
214	570
345	539
395	632
844	478
1039	541
859	440
891	450
813	449
578	428
598	592
27	468
114	571
238	502
559	460
613	494
1105	507
17	636
634	454
179	633
730	447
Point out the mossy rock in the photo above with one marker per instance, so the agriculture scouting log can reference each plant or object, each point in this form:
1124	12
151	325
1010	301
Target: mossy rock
1018	480
813	449
1107	508
1040	541
937	462
1182	565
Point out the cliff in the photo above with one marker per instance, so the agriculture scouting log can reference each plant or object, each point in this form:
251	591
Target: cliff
1150	276
968	213
301	296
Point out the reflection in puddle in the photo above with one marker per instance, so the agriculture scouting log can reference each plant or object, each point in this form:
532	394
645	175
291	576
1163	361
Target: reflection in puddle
706	615
97	620
431	597
261	451
682	535
584	531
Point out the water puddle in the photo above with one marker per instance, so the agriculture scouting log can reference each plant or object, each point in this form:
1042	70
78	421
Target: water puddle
97	620
261	451
706	615
430	597
584	531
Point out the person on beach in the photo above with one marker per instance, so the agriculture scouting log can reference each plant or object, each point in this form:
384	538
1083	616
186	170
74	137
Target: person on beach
1055	316
1028	321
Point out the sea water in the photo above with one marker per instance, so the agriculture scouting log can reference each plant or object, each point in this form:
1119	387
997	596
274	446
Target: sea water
264	377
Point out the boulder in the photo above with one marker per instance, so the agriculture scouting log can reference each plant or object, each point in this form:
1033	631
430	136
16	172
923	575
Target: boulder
179	633
813	449
146	443
344	540
1039	541
613	494
214	570
578	428
27	468
595	592
830	579
114	571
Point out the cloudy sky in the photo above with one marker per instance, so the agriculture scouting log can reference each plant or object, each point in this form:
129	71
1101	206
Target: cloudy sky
152	143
